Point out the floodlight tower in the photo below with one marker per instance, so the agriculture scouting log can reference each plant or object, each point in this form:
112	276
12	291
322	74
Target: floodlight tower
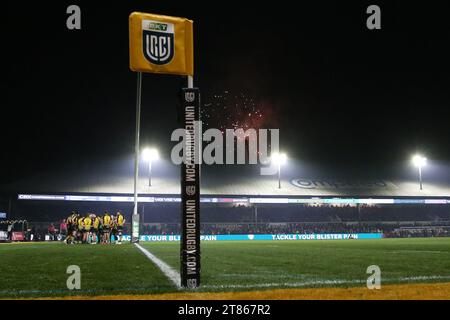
279	159
150	155
419	162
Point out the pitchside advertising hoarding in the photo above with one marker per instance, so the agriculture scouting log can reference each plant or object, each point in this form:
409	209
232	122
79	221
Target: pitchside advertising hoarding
3	235
240	200
264	237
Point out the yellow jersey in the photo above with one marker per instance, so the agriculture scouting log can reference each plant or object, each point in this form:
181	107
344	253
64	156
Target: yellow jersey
107	220
120	220
80	223
87	223
96	223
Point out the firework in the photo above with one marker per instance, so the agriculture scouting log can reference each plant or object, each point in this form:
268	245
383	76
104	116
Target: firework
227	110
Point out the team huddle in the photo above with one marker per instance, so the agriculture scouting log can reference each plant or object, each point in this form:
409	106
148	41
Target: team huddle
94	229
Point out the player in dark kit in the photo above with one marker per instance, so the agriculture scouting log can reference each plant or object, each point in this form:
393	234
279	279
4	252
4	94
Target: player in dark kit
80	228
71	228
113	229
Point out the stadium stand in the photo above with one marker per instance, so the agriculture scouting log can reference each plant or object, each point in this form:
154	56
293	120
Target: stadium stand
392	221
50	200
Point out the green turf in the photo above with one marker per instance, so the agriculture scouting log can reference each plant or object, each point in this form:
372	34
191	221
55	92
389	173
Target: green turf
231	266
40	269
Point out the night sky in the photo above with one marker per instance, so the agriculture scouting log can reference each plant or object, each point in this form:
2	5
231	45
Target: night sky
343	96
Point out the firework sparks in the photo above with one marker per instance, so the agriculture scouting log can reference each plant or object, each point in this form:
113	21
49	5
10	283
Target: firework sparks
234	111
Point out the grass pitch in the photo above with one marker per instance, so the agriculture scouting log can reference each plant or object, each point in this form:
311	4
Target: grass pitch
236	266
39	269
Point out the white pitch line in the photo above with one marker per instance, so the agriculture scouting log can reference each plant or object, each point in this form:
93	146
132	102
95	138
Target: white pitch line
420	278
243	286
164	267
286	284
321	282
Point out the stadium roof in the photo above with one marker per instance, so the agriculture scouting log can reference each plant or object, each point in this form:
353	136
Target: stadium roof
225	181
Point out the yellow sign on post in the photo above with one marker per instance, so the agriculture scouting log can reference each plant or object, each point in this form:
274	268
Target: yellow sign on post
161	44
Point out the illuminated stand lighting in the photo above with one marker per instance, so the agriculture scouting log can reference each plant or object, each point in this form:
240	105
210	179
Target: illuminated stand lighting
279	159
420	162
150	155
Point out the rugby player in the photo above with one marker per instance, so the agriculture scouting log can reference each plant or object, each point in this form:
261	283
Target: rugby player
96	229
87	229
106	227
113	229
71	228
80	232
120	223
